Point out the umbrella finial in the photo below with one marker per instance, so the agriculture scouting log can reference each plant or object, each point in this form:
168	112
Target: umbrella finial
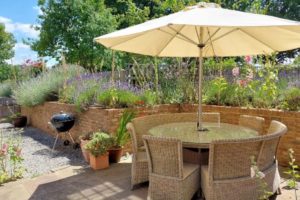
203	5
208	5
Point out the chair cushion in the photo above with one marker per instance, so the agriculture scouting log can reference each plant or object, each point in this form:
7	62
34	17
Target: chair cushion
189	168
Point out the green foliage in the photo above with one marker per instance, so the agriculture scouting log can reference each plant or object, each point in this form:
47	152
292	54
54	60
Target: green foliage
99	144
292	172
265	90
117	98
186	89
44	87
259	176
236	95
149	97
291	99
7	42
11	167
69	27
86	98
215	91
122	136
6	89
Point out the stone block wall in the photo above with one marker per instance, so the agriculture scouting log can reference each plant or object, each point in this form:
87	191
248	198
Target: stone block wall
96	118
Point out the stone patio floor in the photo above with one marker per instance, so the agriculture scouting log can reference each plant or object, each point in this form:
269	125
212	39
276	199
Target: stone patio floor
77	183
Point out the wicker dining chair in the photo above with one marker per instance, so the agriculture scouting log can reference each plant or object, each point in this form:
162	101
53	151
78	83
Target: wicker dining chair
169	177
140	126
139	166
252	122
227	175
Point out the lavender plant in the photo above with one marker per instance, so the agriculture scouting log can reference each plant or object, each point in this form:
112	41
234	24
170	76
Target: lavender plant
38	90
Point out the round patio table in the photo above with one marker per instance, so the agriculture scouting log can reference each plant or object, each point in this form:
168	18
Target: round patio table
191	138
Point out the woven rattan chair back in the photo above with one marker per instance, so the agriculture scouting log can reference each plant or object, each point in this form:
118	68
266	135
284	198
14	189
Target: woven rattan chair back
164	156
253	122
133	137
231	158
269	148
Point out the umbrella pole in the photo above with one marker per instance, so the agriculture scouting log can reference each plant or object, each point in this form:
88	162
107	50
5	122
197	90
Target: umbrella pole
200	74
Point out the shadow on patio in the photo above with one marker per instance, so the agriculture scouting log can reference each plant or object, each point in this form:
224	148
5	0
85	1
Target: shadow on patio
113	183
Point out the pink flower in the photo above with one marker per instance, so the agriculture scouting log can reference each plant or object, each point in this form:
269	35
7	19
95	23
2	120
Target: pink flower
4	147
248	59
235	71
242	83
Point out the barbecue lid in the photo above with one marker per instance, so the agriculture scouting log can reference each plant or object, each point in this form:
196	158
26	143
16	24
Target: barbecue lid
62	117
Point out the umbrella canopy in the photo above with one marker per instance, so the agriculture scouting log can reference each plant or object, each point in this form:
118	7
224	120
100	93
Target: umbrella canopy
206	30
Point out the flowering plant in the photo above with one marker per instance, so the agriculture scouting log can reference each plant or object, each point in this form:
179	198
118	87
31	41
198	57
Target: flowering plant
10	160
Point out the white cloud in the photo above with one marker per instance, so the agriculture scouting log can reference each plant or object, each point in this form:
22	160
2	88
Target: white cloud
15	27
21	45
4	20
38	9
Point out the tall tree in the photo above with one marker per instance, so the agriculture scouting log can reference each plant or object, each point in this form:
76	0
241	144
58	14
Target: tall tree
68	27
7	42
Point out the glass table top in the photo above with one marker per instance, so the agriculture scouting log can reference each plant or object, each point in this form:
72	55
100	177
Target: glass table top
190	137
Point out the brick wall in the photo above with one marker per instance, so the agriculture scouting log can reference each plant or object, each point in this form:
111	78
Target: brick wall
96	118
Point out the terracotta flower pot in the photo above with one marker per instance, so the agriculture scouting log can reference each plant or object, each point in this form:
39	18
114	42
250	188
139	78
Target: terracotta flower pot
115	154
99	162
85	153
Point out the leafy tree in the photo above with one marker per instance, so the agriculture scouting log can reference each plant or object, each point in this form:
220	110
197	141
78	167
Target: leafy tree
68	27
7	42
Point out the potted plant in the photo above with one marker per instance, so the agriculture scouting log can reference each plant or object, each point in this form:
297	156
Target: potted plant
97	147
121	137
84	139
18	120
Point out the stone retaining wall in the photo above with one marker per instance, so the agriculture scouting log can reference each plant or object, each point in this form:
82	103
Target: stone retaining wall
96	118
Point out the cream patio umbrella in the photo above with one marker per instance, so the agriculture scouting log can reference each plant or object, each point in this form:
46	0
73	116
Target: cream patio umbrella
206	30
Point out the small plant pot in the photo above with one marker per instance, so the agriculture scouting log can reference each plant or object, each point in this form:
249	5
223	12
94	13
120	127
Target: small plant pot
115	154
85	153
99	162
20	121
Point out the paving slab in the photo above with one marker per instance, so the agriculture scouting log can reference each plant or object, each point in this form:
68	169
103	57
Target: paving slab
78	183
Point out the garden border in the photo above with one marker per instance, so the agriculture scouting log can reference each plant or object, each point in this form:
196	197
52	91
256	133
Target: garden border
95	118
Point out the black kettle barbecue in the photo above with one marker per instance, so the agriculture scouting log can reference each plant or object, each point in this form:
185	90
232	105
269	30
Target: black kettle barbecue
62	123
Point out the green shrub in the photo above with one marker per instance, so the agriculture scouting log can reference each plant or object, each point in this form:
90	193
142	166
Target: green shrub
291	100
99	144
6	89
186	89
67	94
149	97
169	92
126	98
85	98
108	98
38	90
214	91
117	98
235	95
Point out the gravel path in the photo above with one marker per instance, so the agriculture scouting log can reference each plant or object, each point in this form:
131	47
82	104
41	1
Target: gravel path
37	154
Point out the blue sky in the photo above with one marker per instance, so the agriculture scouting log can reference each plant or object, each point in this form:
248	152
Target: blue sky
18	17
